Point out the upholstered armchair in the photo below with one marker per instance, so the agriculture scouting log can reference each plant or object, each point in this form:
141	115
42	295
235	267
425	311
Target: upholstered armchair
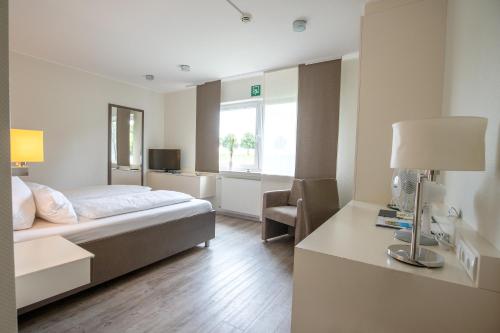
280	212
320	201
301	210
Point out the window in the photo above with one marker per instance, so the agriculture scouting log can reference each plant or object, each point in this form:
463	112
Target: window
260	136
280	122
280	132
239	136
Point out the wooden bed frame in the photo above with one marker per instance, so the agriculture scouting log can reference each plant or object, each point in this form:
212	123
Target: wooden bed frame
123	253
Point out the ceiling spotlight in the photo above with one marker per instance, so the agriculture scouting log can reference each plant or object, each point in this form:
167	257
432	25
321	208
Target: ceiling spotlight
185	68
149	77
299	25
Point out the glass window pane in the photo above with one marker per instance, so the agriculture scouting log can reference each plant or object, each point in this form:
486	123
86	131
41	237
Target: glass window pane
238	143
278	144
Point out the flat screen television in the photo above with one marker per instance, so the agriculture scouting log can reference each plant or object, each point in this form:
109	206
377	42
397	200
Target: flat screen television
165	159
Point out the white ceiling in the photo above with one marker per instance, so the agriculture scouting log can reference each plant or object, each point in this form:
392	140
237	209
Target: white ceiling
125	39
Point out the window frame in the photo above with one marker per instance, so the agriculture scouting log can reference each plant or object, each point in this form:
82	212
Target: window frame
259	116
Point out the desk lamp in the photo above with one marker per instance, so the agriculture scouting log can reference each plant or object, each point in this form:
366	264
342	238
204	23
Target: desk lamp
448	143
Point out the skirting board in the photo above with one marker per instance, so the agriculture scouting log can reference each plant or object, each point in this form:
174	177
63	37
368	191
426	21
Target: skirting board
238	215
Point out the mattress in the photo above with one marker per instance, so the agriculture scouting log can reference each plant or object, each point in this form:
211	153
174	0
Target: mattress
89	230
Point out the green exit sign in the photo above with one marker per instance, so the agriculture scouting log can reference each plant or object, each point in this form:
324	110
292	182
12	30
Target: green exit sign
255	90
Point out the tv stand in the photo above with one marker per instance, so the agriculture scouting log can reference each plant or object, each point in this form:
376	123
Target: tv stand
172	172
196	185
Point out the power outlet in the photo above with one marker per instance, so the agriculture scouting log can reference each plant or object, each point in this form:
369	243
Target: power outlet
468	258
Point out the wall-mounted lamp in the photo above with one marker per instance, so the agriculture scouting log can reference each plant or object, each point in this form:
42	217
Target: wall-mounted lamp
26	146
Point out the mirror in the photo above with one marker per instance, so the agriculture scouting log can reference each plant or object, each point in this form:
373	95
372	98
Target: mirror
125	145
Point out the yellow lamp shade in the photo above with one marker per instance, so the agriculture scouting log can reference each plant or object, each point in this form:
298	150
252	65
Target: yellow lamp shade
26	145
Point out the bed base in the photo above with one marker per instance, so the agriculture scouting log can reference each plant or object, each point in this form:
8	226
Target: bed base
123	253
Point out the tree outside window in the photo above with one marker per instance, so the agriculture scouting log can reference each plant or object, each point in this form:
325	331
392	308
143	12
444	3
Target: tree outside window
248	142
230	143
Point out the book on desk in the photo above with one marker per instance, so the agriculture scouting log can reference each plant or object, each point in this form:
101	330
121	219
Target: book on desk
393	219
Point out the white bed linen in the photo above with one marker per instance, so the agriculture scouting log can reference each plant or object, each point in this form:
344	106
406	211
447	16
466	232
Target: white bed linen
52	205
127	203
88	230
102	191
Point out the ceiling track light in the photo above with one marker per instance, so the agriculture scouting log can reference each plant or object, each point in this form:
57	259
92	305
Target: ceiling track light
245	17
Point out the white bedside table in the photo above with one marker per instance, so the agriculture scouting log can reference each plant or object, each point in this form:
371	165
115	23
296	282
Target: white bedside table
47	267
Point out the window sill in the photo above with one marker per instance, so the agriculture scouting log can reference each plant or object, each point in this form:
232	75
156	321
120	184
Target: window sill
241	175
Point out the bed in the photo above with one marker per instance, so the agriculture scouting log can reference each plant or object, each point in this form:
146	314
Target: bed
126	242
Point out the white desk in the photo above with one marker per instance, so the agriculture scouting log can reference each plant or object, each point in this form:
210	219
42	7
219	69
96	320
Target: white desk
345	282
49	266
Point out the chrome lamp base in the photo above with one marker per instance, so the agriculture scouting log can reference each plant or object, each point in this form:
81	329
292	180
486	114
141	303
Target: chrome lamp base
423	258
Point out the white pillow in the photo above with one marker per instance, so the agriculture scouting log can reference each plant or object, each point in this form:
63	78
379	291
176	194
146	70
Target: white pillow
52	205
23	206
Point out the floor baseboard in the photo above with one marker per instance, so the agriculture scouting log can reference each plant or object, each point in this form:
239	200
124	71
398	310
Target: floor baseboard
237	215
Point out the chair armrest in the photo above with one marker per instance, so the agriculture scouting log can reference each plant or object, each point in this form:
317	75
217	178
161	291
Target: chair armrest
301	227
275	198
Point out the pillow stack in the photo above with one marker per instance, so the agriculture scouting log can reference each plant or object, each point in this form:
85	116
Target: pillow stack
52	205
23	205
31	199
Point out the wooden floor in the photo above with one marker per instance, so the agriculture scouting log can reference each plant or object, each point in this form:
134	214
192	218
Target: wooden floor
239	284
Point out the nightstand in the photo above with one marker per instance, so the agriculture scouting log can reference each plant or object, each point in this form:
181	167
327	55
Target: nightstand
47	267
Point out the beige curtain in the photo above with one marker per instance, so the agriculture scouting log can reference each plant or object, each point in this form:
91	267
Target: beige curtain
122	137
207	126
318	120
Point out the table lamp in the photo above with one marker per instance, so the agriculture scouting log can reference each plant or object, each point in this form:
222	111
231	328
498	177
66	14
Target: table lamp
26	146
448	143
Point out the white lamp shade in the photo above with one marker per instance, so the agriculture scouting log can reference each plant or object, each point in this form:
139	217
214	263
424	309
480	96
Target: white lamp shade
448	143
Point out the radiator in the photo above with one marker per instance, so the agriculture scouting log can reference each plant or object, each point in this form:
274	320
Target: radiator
241	195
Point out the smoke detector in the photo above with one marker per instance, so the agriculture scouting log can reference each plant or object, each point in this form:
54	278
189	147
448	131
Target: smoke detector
299	25
185	68
149	77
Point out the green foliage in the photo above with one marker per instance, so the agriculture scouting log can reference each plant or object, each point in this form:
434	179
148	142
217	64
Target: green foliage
230	142
248	141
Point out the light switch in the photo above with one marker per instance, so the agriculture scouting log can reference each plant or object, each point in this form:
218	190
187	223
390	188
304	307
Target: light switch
468	258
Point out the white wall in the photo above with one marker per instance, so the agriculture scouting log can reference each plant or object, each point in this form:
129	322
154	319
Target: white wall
8	314
401	78
71	107
239	89
472	88
180	125
348	114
